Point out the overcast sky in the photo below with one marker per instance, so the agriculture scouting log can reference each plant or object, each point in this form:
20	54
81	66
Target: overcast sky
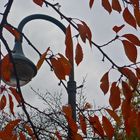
43	34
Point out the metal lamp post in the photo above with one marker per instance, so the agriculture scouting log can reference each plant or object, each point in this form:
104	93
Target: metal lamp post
26	69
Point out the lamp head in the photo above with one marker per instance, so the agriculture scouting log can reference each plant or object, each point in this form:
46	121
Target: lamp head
25	69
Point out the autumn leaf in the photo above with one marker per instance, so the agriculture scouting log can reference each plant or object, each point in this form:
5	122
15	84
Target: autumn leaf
114	98
16	94
130	50
137	15
138	72
2	102
129	18
114	115
118	28
11	104
22	136
96	125
58	135
79	54
69	44
107	6
132	38
105	83
131	76
108	128
135	3
13	31
77	137
83	124
67	110
116	5
42	58
127	91
38	2
91	3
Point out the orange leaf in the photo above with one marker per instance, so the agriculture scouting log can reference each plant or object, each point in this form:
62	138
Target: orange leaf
42	58
131	76
116	5
58	68
10	127
14	32
22	136
11	104
130	50
108	128
58	135
91	3
107	6
2	102
132	38
114	99
38	2
30	132
79	54
16	94
127	91
96	125
65	63
69	44
129	18
83	124
137	16
6	68
118	28
104	83
114	115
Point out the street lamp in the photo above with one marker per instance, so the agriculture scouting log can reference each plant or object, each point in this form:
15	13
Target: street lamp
26	69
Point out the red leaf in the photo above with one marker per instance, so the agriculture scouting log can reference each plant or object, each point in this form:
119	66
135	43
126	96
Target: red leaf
22	136
96	125
14	32
2	102
108	128
11	104
135	3
83	124
137	16
127	91
38	2
114	115
132	38
116	5
107	6
114	99
69	44
104	83
42	58
79	54
138	72
91	3
118	28
16	94
130	50
58	135
77	137
129	18
67	110
131	76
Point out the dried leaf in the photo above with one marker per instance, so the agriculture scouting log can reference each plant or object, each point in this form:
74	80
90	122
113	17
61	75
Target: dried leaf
114	98
91	3
107	6
131	76
130	50
11	104
118	28
105	83
38	2
129	18
132	38
116	5
42	58
83	124
2	102
79	54
108	128
69	44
